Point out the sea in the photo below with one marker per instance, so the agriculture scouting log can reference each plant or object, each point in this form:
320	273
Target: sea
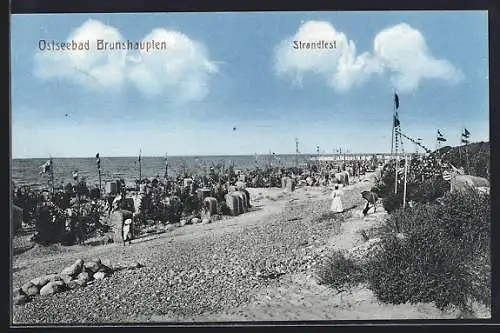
27	171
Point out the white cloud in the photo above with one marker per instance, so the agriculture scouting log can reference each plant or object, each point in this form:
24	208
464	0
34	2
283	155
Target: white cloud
181	72
399	52
184	69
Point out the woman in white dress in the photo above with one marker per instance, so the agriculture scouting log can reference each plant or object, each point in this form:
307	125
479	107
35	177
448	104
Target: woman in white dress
127	231
336	200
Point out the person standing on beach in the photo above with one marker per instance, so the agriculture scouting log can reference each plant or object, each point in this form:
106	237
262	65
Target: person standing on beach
336	200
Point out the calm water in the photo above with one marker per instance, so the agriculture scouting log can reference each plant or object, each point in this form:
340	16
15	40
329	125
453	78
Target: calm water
27	171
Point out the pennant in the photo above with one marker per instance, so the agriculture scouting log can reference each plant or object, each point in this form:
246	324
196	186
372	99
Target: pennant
98	161
139	156
396	101
440	138
439	133
466	133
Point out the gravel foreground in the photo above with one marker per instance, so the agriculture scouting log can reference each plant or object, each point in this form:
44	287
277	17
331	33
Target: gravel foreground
188	276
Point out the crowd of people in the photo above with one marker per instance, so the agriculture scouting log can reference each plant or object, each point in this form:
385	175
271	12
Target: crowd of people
77	211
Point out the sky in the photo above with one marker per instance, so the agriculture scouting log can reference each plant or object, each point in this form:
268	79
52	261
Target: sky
233	84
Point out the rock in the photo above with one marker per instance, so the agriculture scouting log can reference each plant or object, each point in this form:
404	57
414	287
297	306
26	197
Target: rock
72	270
79	263
92	266
99	275
195	220
136	265
52	288
84	276
27	286
73	284
20	299
105	269
105	262
81	283
205	221
182	223
66	278
44	279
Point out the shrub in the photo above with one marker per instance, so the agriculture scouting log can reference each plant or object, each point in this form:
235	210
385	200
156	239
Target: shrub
468	215
421	268
392	201
438	260
339	272
49	224
410	219
428	190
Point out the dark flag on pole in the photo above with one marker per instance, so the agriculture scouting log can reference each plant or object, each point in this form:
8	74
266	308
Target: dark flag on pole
98	161
139	156
396	121
440	137
396	101
466	133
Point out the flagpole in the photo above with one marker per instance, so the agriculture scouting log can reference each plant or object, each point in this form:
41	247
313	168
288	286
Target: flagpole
404	188
52	175
166	165
467	135
140	169
392	135
460	150
396	174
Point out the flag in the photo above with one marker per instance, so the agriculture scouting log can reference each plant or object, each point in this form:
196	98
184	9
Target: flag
98	161
139	156
396	121
46	167
440	137
465	141
396	101
466	133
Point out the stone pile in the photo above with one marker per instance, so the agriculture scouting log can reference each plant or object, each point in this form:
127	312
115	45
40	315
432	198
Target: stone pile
79	274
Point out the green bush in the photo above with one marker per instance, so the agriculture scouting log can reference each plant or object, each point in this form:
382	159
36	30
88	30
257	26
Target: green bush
339	272
445	245
422	268
467	215
410	219
428	190
392	201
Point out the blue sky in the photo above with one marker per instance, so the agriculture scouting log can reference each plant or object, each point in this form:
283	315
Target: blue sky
225	70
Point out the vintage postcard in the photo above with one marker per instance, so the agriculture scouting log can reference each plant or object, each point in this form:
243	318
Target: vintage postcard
249	167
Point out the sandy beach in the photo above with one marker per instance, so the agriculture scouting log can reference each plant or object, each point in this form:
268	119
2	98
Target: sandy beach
259	266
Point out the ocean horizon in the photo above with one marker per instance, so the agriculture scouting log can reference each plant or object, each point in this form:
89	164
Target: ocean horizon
26	171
